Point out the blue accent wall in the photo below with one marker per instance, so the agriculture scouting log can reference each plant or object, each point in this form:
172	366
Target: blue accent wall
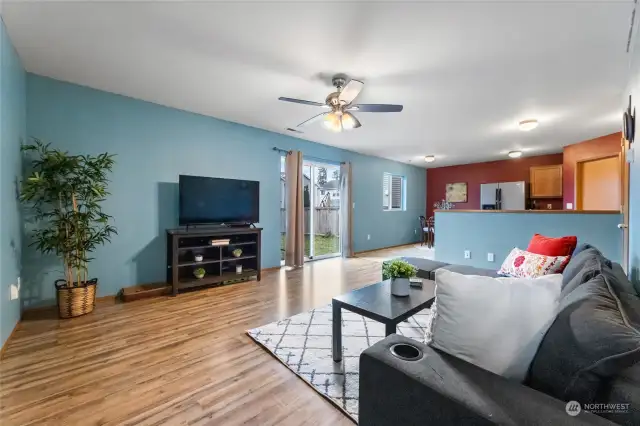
498	233
12	131
633	88
154	144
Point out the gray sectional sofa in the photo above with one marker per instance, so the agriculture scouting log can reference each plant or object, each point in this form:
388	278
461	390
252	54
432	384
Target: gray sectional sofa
590	354
427	268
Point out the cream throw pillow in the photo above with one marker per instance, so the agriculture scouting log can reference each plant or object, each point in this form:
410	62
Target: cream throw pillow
494	323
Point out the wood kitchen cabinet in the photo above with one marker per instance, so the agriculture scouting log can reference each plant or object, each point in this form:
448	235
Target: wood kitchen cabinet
546	181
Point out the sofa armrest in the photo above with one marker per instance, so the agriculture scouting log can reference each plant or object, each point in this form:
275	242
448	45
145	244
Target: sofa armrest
440	389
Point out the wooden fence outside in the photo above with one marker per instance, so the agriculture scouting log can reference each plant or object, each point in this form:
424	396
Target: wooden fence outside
326	220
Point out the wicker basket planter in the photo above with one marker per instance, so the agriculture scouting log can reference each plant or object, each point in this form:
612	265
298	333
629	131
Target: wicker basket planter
76	301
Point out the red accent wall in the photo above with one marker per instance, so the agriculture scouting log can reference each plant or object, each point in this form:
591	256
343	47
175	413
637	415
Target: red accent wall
603	146
511	170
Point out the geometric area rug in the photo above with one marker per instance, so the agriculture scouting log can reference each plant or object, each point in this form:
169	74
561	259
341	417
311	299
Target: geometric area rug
303	344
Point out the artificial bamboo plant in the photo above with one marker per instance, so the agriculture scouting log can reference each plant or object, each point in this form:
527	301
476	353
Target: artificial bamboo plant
65	193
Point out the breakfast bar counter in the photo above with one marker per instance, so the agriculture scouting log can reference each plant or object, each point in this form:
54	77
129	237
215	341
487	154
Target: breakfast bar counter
474	237
532	211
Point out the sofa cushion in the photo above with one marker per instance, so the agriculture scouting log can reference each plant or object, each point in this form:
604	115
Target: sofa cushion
471	270
425	266
580	248
548	246
594	337
469	314
622	282
589	264
591	258
623	389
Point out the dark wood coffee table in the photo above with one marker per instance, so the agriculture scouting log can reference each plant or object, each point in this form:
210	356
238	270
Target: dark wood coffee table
376	302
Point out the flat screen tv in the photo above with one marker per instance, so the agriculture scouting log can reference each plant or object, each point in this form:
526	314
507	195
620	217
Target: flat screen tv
215	200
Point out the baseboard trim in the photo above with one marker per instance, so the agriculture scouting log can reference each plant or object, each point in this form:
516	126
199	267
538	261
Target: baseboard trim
6	342
386	248
111	299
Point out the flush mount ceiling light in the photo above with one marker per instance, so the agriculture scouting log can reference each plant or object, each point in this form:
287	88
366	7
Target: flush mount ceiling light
429	158
527	125
515	154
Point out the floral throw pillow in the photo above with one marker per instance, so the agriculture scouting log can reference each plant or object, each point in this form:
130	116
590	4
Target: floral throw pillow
523	264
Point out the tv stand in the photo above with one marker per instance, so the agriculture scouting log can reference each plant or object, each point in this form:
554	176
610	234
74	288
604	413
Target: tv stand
218	260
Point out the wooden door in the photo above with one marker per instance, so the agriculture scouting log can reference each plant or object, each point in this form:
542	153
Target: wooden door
599	184
546	181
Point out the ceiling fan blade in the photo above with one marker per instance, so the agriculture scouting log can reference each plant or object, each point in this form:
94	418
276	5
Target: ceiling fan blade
375	108
302	101
313	119
350	91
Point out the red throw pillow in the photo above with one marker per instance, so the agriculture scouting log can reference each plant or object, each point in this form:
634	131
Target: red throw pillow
563	246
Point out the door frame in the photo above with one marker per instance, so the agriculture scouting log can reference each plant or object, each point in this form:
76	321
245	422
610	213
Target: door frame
624	209
578	177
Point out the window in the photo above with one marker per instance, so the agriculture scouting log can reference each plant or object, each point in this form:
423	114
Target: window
393	189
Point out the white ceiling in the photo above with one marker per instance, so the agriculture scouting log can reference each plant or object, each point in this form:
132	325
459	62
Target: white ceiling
466	72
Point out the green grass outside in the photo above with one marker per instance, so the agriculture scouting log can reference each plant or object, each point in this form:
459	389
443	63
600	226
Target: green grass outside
323	244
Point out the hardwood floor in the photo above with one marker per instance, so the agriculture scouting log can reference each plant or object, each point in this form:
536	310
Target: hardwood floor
182	360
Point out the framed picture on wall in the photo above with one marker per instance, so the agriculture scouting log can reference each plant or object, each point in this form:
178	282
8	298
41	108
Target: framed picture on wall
456	192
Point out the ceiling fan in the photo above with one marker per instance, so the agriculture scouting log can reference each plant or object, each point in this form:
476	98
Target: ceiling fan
340	104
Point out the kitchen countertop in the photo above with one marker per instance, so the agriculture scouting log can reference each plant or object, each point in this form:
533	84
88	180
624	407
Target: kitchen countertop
532	211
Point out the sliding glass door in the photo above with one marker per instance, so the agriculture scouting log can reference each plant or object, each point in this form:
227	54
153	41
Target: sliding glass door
321	210
321	193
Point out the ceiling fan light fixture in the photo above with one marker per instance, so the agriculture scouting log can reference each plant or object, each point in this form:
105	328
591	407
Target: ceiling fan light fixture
515	154
430	158
349	121
527	125
332	122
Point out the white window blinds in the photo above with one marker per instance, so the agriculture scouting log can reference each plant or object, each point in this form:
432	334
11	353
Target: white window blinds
393	188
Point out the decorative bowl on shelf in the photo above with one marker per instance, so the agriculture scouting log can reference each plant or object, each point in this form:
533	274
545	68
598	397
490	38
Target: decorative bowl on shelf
199	273
198	258
237	252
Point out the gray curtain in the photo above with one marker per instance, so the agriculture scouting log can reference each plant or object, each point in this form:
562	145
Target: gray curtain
294	241
346	208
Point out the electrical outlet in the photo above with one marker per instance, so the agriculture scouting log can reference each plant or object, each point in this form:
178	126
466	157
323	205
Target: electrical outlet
490	257
467	254
368	236
549	206
569	206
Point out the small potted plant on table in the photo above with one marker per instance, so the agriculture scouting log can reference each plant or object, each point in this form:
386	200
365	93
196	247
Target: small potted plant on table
64	193
399	272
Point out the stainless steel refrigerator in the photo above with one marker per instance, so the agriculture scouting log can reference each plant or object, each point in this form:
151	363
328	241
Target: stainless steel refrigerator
503	196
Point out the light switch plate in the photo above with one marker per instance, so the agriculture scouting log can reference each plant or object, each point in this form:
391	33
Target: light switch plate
569	206
467	254
14	292
490	257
